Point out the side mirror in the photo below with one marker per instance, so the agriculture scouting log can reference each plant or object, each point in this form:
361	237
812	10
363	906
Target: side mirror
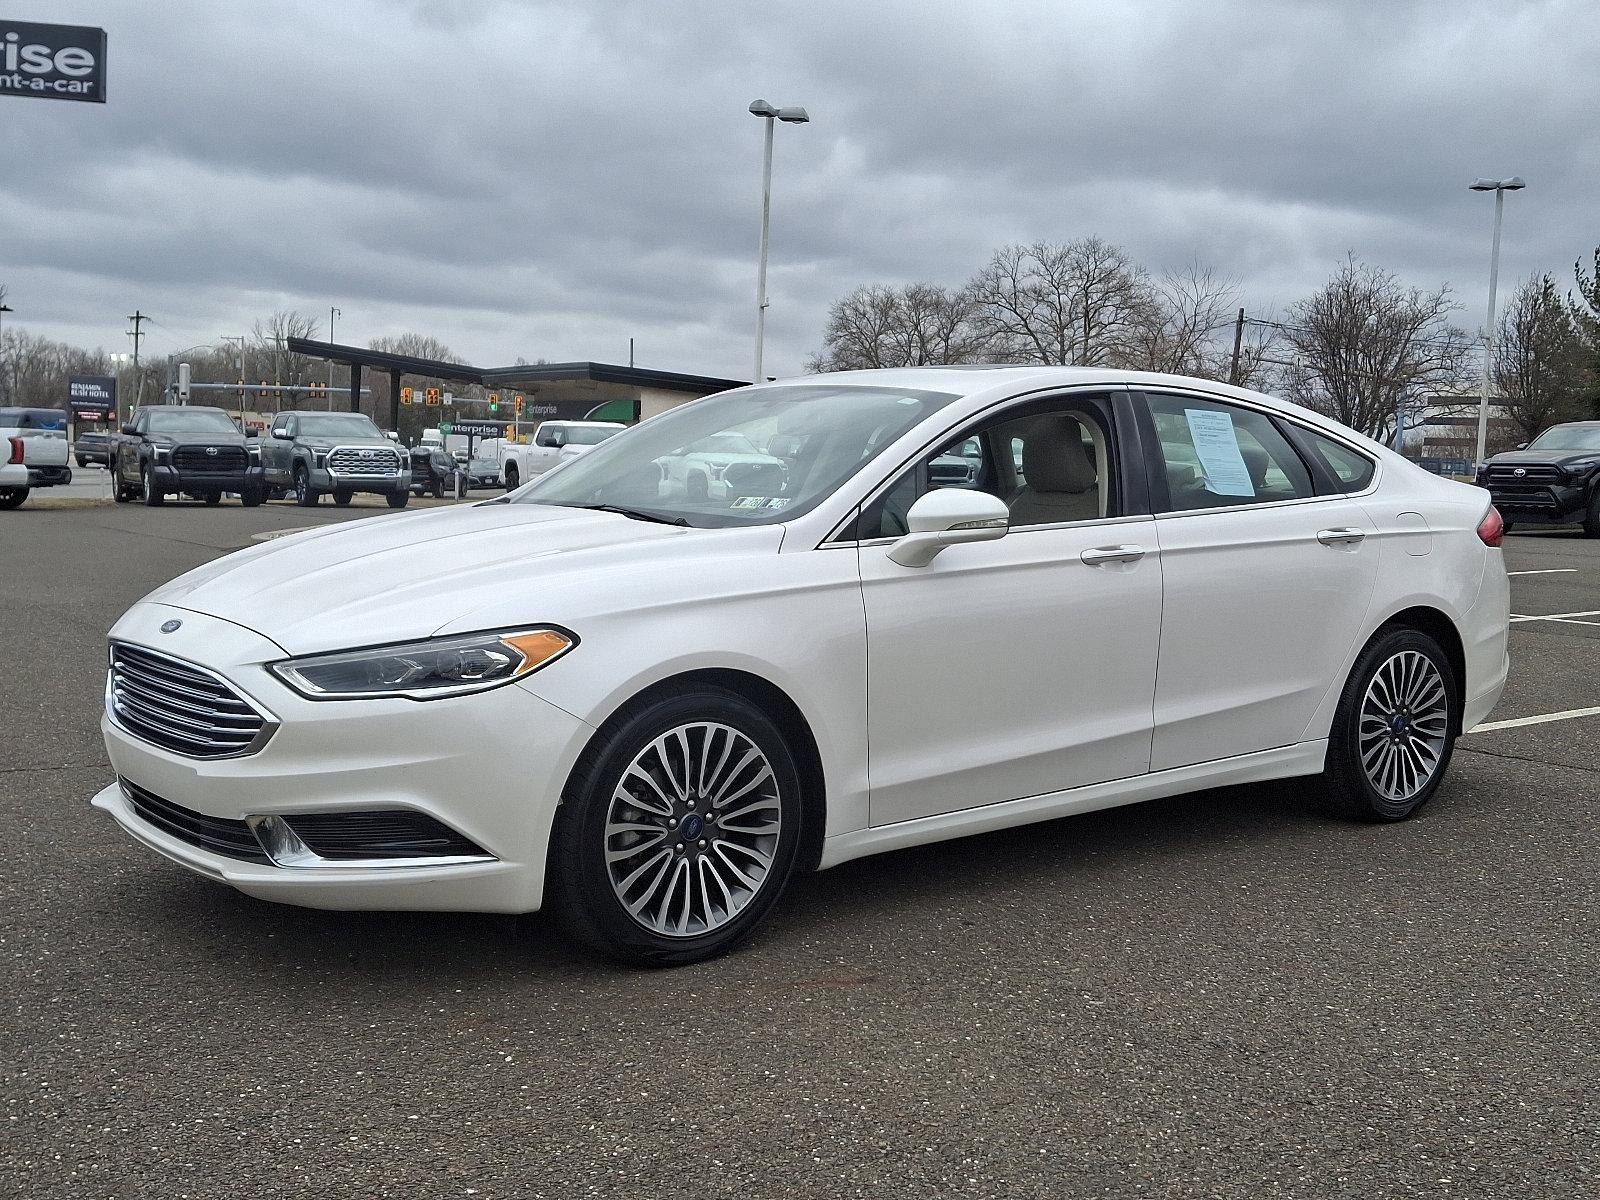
129	429
251	431
282	435
948	517
1522	445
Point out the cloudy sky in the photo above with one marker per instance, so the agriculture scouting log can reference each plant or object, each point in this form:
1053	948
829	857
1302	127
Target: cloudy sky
548	180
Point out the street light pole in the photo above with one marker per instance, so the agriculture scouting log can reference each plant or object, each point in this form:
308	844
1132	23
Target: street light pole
1499	187
770	114
332	314
4	388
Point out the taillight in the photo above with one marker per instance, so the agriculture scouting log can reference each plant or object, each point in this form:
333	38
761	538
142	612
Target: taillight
1492	529
16	452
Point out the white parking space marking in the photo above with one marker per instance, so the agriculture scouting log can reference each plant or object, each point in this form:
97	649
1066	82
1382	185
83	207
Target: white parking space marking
1548	571
1570	714
1593	612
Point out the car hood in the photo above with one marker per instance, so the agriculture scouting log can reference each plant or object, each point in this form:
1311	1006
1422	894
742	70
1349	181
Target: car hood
328	443
1559	458
388	579
207	438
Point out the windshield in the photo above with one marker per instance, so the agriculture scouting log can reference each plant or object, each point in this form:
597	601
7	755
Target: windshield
190	420
794	446
581	435
1568	437
33	418
337	425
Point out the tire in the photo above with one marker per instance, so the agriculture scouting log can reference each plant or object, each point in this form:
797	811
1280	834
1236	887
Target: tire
682	918
119	493
12	497
305	495
437	490
1591	517
697	487
513	480
212	499
1402	687
83	463
398	499
342	499
252	497
154	497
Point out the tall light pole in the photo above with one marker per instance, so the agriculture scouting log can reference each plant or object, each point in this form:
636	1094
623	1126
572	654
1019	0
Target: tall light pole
1499	187
794	116
333	314
4	308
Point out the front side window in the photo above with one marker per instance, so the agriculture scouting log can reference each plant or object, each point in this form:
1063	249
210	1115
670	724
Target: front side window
738	458
1218	455
1049	461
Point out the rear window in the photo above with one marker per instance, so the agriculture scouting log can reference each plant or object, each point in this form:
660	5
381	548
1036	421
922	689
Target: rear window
1351	471
33	418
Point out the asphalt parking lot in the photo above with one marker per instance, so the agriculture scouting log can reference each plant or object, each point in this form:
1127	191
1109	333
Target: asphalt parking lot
1229	994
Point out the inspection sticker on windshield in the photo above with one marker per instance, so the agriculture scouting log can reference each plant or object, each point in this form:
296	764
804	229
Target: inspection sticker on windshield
1217	443
760	502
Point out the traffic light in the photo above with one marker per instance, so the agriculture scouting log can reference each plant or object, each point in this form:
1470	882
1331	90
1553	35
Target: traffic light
516	403
265	395
405	395
433	396
494	402
511	433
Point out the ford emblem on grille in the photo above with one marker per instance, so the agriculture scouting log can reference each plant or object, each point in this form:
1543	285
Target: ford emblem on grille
171	626
211	451
1519	472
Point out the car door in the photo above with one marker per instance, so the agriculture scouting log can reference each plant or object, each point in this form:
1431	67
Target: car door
1268	576
277	449
128	450
1025	665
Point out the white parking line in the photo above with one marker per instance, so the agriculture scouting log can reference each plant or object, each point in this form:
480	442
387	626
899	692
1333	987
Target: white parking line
1548	571
1593	612
1491	726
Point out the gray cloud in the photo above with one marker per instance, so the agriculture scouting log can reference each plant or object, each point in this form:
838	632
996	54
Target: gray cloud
551	179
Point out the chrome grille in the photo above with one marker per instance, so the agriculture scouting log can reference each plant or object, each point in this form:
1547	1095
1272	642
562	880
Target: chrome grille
201	459
181	707
363	460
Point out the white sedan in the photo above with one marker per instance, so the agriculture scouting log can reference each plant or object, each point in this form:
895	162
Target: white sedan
649	711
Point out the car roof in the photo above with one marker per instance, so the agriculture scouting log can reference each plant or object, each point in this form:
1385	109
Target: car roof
182	407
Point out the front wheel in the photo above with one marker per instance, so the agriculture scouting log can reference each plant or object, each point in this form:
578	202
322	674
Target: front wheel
1395	728
154	497
212	499
678	830
13	497
1591	518
342	498
304	494
398	499
513	480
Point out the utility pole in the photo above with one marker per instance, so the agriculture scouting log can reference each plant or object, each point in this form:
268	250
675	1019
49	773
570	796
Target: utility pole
5	390
1238	338
138	318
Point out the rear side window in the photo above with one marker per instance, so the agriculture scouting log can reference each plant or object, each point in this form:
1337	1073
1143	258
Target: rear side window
1351	472
1218	455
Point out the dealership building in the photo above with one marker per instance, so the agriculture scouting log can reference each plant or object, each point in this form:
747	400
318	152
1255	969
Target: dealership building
573	391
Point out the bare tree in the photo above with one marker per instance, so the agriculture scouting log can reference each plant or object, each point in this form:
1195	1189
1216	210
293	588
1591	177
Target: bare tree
1080	302
1179	332
1363	342
270	338
1584	309
922	324
1539	369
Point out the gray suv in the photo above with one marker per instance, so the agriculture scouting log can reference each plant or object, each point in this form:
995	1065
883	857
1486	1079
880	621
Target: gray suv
309	453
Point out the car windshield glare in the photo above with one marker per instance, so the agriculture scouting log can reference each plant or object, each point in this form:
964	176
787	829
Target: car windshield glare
580	435
191	420
337	425
748	457
1568	437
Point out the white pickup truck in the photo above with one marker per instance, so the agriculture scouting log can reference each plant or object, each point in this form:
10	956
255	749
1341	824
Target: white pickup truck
553	443
33	452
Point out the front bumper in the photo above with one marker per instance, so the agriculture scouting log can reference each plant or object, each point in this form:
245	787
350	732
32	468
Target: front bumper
169	479
490	766
324	480
1540	503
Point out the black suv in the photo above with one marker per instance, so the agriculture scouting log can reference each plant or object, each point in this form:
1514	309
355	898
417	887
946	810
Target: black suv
181	449
1553	480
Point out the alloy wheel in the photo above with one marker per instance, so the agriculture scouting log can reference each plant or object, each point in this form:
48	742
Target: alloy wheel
692	829
1404	724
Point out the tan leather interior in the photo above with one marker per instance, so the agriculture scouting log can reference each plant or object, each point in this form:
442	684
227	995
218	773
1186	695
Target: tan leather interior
1062	483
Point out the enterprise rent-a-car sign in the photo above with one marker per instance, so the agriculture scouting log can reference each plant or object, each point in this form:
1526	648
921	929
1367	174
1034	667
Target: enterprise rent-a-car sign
52	62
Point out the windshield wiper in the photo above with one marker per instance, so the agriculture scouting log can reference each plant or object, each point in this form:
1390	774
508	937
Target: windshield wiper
636	514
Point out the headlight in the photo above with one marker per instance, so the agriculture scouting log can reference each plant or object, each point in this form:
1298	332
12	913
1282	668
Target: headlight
1581	470
253	450
448	666
322	458
163	451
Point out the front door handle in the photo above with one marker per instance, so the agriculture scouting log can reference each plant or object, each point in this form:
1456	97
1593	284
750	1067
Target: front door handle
1340	537
1112	554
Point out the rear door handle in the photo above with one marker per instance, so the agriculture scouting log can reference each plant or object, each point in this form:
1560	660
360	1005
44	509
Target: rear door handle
1340	537
1111	554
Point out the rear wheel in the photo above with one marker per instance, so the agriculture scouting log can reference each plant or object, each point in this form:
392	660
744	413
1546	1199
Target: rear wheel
1395	729
13	497
154	497
678	830
513	480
